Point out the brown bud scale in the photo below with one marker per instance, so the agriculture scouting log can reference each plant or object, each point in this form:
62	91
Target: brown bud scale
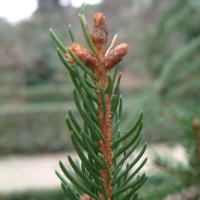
115	55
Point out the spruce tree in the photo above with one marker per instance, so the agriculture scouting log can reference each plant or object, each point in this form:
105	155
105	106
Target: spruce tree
188	174
107	169
173	55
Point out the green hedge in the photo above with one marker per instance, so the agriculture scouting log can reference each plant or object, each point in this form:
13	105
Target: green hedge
55	194
34	128
36	94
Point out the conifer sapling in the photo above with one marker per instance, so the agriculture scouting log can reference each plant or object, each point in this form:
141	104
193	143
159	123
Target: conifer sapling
105	170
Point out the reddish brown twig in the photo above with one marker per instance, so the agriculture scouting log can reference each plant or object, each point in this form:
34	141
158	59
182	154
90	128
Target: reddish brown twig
196	134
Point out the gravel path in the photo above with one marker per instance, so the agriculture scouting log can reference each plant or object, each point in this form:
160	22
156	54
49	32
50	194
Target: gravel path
18	173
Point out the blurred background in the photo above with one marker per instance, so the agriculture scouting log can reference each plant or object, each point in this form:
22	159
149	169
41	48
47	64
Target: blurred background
161	75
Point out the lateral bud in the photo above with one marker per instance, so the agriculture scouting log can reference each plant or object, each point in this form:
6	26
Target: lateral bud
85	197
83	54
115	55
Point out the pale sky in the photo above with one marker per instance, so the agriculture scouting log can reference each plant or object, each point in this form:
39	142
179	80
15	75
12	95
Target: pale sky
17	10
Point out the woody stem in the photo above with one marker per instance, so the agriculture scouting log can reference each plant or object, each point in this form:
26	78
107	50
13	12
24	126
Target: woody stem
195	132
106	129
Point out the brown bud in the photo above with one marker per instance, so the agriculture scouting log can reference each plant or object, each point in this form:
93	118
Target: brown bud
100	34
85	197
115	55
83	54
195	123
